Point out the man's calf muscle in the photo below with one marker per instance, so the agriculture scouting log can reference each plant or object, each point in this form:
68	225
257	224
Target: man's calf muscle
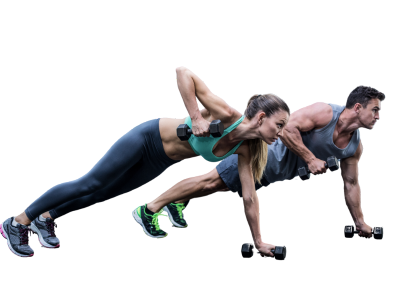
212	182
204	185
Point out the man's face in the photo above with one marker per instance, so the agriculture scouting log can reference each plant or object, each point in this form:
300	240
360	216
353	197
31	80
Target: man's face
369	115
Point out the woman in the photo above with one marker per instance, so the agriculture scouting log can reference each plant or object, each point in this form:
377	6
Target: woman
148	149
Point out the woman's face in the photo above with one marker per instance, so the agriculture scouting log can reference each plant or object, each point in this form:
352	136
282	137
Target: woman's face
271	128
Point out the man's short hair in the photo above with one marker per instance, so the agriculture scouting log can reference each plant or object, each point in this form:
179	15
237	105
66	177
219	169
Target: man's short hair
362	95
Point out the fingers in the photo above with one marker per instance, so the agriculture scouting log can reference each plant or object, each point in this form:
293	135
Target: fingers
367	235
323	171
201	133
324	168
319	171
269	254
266	254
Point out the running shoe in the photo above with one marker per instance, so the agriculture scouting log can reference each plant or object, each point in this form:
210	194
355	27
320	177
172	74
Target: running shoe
17	237
149	222
175	214
45	231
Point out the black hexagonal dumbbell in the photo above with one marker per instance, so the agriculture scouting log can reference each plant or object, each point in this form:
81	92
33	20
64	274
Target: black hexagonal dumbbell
349	232
331	162
279	252
184	132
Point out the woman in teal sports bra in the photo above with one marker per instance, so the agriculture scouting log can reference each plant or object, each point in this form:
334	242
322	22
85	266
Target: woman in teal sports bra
151	147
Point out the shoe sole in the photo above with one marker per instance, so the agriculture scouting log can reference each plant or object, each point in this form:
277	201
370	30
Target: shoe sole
139	220
5	235
41	239
171	219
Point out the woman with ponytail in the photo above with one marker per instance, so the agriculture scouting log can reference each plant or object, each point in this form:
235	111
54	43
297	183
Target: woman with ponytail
269	104
148	149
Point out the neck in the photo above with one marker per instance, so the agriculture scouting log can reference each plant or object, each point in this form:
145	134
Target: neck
348	122
245	131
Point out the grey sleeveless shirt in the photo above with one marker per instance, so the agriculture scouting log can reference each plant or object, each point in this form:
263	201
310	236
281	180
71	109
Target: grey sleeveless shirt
283	164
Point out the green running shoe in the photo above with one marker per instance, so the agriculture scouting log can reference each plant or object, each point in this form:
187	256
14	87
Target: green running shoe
175	214
149	222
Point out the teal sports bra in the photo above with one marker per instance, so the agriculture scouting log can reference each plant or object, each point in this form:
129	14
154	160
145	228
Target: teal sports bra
204	145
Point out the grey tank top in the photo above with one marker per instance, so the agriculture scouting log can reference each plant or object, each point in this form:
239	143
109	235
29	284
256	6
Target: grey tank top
283	164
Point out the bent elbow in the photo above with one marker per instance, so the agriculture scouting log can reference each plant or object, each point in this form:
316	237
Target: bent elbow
290	129
180	69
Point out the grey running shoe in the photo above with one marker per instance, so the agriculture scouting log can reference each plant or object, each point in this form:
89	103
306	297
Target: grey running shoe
45	232
17	238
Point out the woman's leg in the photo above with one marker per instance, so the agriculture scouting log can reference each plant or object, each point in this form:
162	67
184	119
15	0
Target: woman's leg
124	154
153	163
135	177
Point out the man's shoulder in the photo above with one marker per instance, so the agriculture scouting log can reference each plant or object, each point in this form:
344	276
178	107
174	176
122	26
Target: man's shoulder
314	116
321	114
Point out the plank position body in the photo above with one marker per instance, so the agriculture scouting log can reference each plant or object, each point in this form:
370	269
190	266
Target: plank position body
312	134
147	150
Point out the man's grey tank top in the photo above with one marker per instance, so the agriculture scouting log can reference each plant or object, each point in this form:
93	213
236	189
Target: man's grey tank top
283	164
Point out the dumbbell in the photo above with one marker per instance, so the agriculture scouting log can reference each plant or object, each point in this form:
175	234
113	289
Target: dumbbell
331	162
349	232
279	252
184	132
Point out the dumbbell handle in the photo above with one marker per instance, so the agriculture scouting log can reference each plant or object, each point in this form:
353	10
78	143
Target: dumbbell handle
258	252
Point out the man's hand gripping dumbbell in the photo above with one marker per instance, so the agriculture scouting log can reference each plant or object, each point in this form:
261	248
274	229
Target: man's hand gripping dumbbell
377	232
331	163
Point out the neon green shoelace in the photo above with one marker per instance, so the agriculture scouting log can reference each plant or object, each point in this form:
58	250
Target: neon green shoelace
179	207
154	220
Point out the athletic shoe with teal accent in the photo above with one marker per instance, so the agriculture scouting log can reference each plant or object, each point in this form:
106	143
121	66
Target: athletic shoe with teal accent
149	222
175	214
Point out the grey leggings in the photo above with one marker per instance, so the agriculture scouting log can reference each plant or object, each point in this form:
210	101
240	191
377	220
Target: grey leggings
135	159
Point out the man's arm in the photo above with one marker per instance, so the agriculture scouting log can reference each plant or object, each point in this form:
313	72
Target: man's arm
352	191
315	116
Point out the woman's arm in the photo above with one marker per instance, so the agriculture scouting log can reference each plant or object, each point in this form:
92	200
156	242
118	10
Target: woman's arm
187	90
250	199
191	86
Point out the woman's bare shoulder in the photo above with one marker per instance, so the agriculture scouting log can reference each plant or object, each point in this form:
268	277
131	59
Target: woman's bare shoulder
243	149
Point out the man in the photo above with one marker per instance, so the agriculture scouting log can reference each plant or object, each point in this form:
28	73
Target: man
312	134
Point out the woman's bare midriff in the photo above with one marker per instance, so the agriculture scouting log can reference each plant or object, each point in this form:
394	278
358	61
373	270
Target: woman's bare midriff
178	150
173	146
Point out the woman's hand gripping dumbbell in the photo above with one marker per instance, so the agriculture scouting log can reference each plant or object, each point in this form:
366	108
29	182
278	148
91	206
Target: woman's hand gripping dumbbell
184	132
279	252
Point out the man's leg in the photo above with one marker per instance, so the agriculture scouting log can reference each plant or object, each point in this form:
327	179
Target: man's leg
190	188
